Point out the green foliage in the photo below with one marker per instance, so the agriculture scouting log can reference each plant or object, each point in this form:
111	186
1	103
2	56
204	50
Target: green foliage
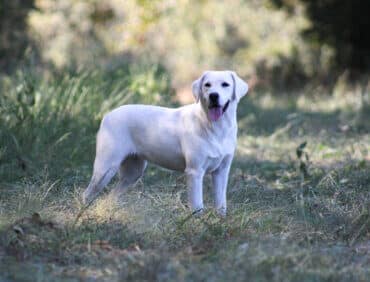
184	36
339	24
14	37
309	40
54	121
303	158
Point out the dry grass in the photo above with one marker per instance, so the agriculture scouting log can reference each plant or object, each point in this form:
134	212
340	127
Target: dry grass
281	225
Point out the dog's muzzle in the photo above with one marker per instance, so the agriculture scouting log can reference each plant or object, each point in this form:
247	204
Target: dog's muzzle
215	111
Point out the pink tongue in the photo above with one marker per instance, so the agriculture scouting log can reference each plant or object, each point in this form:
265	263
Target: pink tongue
215	113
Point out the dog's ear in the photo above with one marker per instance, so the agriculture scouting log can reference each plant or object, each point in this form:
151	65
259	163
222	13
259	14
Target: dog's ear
197	87
240	86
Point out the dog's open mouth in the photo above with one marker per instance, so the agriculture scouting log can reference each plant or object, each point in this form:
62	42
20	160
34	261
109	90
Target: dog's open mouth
216	111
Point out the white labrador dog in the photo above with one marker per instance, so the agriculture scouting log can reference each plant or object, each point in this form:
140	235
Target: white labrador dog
197	139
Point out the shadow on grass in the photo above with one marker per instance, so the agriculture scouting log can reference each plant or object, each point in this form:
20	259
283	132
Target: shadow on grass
83	252
255	120
321	208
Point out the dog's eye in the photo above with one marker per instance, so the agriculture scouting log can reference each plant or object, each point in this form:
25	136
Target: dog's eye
225	84
207	84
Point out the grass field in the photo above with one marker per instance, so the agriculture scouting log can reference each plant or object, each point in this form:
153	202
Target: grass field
296	212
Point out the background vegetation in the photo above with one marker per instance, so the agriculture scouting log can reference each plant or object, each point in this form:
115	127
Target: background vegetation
299	189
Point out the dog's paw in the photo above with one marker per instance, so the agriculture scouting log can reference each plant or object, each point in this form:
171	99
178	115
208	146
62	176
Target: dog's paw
221	211
198	212
117	193
86	197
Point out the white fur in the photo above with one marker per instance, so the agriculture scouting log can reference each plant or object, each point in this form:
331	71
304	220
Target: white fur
182	139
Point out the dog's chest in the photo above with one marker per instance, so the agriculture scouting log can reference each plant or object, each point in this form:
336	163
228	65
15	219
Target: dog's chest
211	164
217	151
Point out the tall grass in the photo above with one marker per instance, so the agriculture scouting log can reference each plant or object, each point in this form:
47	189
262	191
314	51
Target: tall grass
53	121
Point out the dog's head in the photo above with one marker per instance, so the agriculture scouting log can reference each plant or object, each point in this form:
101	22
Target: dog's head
216	90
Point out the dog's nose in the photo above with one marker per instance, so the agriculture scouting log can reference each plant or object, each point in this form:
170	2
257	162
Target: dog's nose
213	98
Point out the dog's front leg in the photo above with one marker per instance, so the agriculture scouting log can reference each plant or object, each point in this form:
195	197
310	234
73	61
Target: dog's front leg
195	189
219	178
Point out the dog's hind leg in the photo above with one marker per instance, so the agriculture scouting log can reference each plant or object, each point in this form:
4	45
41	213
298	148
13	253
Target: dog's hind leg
131	169
98	181
109	155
